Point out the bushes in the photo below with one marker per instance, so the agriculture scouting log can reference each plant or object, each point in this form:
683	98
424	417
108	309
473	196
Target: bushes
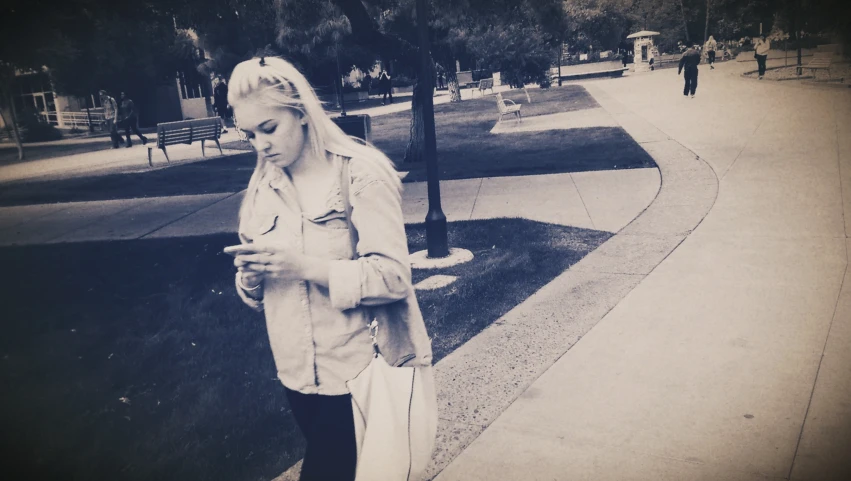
35	129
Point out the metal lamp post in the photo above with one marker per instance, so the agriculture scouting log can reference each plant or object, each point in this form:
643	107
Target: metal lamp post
436	237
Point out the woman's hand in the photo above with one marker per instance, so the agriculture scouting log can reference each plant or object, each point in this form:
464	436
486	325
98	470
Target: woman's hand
270	261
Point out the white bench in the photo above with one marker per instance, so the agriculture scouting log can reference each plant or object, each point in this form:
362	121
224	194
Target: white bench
506	109
485	83
820	61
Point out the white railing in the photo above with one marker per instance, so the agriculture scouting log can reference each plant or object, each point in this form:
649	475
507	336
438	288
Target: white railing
75	119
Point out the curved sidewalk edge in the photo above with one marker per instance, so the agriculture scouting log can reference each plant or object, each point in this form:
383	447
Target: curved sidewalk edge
482	378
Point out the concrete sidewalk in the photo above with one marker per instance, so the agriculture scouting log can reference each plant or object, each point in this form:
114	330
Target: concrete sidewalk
727	357
605	200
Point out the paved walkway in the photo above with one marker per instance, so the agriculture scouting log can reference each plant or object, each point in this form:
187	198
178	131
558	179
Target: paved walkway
728	359
605	200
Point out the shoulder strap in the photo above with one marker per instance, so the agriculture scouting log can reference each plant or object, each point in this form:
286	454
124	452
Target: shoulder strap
345	182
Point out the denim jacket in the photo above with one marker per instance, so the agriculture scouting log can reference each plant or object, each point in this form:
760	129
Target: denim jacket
319	335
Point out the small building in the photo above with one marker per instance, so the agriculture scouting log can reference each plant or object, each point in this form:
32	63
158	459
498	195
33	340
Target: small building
644	49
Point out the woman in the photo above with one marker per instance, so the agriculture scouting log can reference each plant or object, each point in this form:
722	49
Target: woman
710	47
320	275
386	86
761	54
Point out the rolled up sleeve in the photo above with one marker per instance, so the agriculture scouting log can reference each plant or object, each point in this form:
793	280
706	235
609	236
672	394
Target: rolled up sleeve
382	272
256	304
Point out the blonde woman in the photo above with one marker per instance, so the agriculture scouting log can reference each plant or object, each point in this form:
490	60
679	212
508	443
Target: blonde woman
319	274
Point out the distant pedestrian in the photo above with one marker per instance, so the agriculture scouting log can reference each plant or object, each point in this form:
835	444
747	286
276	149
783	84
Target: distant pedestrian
761	49
110	117
710	47
385	86
130	119
689	62
220	103
440	81
367	83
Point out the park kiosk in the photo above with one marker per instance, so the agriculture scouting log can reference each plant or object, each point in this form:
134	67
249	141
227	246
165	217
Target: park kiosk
644	49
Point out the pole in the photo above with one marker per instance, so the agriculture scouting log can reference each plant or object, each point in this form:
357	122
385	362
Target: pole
436	238
560	55
340	82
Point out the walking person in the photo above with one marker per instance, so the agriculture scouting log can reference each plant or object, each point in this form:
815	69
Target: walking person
385	86
130	119
763	45
323	253
220	102
110	116
689	62
367	83
709	48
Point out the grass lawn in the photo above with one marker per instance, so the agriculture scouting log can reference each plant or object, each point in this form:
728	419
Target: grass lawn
219	174
136	361
466	149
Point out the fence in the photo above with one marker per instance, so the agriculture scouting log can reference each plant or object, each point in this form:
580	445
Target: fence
76	119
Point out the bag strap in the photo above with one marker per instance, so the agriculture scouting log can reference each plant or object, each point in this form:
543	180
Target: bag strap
345	182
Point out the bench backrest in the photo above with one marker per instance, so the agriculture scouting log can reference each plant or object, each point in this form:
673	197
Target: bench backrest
819	62
188	131
500	103
486	83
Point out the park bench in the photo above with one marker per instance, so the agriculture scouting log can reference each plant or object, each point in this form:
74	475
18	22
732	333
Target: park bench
820	61
505	109
186	132
484	84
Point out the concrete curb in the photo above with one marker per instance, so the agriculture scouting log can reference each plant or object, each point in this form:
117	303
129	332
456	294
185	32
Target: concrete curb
483	377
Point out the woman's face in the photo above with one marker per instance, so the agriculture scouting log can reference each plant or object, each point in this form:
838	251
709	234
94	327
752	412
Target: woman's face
276	133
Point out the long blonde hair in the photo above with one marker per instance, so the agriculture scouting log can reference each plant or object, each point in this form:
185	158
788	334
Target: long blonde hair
282	85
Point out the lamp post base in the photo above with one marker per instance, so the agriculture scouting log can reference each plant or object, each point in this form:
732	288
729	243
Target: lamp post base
436	237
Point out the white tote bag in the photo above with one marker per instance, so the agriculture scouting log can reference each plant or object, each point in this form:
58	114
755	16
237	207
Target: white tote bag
395	411
395	408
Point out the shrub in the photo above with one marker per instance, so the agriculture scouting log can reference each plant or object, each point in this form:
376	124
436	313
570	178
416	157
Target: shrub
35	129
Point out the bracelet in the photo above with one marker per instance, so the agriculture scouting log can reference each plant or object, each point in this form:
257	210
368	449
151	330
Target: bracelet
242	286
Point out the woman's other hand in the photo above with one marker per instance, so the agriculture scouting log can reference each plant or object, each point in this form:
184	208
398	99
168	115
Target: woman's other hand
281	263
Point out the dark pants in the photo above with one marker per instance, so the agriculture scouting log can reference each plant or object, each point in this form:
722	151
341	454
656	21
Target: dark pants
691	81
328	426
131	124
386	93
760	61
113	132
222	110
711	57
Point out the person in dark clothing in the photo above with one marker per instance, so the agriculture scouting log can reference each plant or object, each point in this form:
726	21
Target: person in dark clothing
386	87
367	83
130	118
689	62
220	102
761	49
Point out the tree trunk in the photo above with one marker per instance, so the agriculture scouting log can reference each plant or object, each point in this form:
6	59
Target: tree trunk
706	30
415	152
18	141
452	85
685	23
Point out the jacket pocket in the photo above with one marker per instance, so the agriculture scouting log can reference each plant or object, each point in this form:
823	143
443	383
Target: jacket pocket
265	225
